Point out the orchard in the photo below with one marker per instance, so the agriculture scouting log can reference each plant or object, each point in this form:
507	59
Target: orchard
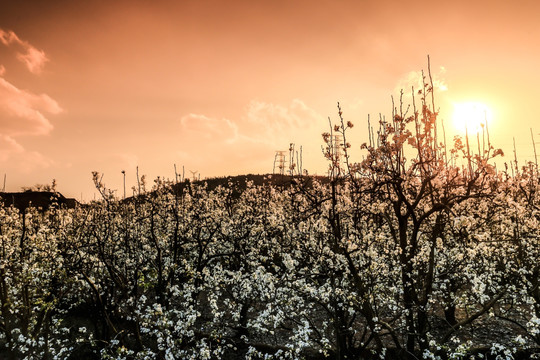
419	251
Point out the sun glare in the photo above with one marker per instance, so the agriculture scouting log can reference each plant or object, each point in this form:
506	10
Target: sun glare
471	117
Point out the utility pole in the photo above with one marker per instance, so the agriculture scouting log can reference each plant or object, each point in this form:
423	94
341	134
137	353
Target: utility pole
124	173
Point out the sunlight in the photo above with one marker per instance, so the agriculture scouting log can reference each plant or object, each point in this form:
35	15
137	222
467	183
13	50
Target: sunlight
471	117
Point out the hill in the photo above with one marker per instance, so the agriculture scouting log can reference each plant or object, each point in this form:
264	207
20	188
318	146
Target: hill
239	182
44	199
38	199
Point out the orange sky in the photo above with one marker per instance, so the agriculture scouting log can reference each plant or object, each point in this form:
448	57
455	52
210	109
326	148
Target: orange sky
218	86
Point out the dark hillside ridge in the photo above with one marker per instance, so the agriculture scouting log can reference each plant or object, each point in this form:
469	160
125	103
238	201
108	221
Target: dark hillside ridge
44	199
38	199
239	183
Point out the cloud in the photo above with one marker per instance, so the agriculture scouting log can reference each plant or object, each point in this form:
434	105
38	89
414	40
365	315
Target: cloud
33	58
8	147
250	140
11	152
23	113
271	123
414	79
262	123
203	129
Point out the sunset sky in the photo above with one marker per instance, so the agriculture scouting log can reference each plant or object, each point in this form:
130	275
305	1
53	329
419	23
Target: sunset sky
219	86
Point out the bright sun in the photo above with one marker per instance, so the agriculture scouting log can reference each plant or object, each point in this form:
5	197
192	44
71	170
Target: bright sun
471	117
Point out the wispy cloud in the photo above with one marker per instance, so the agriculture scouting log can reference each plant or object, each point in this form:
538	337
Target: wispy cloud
21	111
206	129
250	140
33	58
415	79
13	153
273	122
24	113
8	147
262	123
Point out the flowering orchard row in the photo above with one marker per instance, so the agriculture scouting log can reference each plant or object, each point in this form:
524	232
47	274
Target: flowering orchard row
303	270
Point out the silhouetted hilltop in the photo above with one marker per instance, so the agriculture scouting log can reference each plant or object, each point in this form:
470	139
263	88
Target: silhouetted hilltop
44	199
38	199
239	183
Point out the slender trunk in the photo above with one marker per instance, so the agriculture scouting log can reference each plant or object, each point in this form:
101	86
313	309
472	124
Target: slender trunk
450	314
423	327
6	314
408	300
408	288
